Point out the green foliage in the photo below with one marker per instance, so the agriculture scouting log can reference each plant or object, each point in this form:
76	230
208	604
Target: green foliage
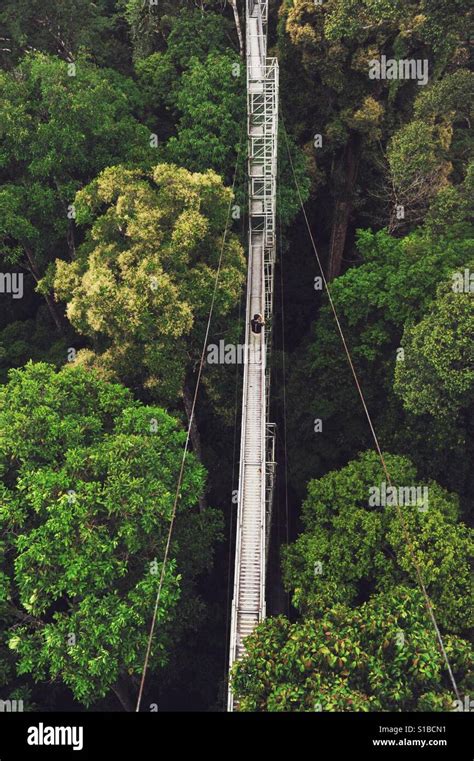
53	140
433	146
30	339
336	58
437	374
191	35
383	656
415	151
450	213
398	275
143	22
195	34
148	23
137	269
363	547
60	27
288	200
141	285
88	484
157	78
198	84
394	284
435	23
326	50
211	106
449	98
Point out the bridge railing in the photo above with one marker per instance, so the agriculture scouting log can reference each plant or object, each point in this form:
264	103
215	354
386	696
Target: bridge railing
252	4
257	449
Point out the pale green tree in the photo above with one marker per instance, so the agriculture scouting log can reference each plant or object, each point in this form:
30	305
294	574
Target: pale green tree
142	284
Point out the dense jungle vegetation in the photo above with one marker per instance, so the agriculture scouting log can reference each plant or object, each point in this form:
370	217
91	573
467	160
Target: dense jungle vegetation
122	136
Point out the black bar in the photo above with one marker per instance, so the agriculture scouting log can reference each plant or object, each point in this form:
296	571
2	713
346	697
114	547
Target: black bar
155	735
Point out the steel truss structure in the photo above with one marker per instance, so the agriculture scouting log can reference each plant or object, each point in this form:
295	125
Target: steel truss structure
257	447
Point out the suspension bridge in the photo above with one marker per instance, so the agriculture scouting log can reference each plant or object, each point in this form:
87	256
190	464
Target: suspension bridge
257	467
257	446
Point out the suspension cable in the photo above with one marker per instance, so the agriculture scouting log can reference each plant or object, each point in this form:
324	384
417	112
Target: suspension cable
188	434
406	532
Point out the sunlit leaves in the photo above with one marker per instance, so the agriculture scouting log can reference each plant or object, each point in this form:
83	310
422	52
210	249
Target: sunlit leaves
142	284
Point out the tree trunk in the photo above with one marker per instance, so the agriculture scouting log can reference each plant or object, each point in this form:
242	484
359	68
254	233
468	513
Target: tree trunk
121	689
71	244
342	211
193	433
238	27
54	312
49	301
343	205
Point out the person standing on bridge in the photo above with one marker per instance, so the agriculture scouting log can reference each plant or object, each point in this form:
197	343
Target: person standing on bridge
257	323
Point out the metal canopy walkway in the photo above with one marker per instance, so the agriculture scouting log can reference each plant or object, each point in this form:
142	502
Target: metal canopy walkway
257	444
